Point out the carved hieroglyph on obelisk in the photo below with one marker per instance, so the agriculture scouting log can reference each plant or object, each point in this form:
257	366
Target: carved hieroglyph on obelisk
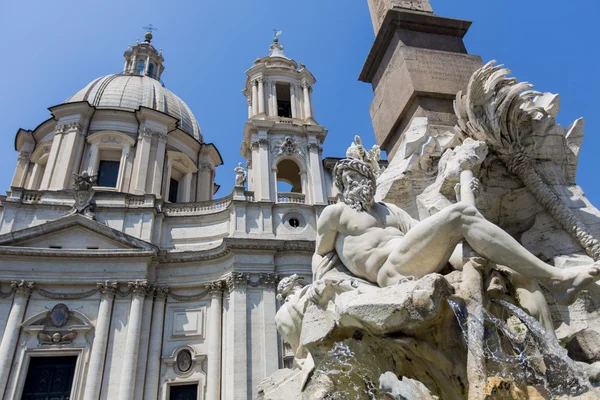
379	8
416	66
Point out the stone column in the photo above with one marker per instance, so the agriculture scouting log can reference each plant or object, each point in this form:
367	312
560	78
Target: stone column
293	101
91	169
159	163
21	169
122	168
264	179
213	384
249	101
35	178
156	336
205	185
96	366
261	96
139	289
66	158
271	341
238	358
315	173
167	185
269	99
307	107
254	97
274	98
142	155
187	188
52	157
11	332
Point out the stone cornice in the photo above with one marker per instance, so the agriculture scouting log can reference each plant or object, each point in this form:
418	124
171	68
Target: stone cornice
75	253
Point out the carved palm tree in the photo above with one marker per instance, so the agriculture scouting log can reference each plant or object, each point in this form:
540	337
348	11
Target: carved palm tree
502	112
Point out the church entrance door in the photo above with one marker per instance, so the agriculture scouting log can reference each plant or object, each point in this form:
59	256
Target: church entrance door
49	378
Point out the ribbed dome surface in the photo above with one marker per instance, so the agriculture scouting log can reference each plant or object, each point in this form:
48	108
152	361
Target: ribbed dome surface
133	91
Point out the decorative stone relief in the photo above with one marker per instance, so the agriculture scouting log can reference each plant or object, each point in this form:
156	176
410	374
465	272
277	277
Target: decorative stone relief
183	361
56	338
59	315
83	192
288	146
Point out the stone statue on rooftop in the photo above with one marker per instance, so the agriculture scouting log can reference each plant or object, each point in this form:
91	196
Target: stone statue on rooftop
240	175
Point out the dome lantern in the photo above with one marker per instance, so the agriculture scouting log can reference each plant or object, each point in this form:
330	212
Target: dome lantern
142	59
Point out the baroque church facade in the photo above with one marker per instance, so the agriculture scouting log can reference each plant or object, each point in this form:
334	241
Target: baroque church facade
123	277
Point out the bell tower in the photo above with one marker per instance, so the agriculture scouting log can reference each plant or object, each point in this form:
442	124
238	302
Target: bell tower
282	140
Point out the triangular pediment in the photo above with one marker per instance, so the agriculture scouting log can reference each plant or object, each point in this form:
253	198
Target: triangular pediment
74	233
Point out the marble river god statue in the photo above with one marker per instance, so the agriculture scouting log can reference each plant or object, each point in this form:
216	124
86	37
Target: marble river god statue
448	307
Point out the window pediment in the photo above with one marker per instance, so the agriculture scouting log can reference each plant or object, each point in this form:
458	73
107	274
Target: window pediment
112	139
182	162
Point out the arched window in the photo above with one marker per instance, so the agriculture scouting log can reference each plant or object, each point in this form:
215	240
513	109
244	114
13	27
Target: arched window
288	177
140	68
151	70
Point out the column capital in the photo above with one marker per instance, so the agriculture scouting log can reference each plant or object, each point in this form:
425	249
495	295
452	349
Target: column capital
139	288
237	280
259	79
255	144
305	84
160	292
24	155
22	288
269	280
107	288
263	141
215	288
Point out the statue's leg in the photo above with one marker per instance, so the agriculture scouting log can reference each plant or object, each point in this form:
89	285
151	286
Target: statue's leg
531	299
427	247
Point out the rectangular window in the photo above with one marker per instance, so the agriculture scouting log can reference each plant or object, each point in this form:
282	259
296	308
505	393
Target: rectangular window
183	392
108	172
49	378
173	190
284	105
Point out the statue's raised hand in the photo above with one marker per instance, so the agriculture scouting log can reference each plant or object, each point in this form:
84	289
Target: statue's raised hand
474	185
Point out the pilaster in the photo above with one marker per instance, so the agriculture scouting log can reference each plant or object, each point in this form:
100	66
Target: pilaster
22	290
213	384
142	157
237	347
94	377
151	383
71	135
139	290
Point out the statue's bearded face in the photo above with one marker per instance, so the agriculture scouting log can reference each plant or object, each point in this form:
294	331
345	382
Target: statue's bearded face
358	190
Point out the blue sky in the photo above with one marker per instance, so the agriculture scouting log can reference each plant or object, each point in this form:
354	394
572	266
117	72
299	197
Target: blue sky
52	49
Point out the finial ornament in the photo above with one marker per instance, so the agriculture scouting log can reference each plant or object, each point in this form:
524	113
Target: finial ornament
149	29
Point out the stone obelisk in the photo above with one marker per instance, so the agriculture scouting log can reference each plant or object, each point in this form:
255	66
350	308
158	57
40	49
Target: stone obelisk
416	66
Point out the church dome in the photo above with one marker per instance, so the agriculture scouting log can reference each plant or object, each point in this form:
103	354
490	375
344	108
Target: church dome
128	91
